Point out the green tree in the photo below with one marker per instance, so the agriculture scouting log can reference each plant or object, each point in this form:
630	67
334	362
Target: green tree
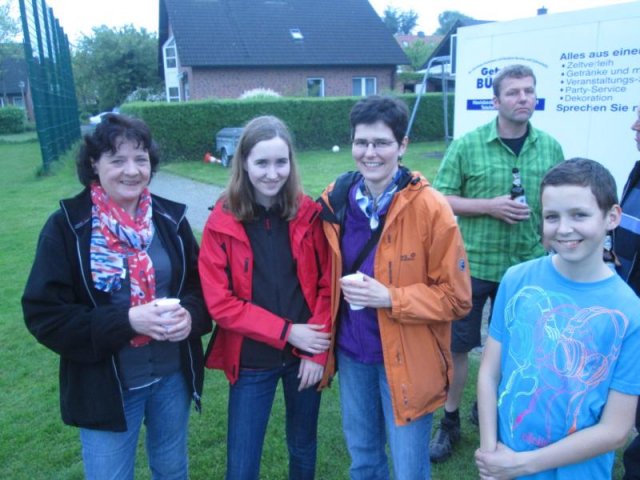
418	52
446	20
9	29
112	63
390	19
400	21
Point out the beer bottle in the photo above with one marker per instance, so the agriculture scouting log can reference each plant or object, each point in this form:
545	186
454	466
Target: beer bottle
517	191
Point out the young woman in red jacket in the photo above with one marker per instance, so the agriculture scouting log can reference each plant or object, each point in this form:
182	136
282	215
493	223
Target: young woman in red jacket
264	271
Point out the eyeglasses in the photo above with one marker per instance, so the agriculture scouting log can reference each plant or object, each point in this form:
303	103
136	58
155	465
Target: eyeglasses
378	144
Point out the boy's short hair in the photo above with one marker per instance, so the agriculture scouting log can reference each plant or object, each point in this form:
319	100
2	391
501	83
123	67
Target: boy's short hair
391	111
583	172
511	71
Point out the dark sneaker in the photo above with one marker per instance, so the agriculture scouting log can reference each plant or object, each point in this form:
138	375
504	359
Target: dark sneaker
473	415
441	445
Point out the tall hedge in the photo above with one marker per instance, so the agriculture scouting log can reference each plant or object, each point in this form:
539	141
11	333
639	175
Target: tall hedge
12	120
186	131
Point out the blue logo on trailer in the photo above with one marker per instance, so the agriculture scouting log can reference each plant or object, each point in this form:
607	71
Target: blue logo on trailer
484	104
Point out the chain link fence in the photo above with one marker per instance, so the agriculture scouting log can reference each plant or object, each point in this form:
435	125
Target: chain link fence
46	49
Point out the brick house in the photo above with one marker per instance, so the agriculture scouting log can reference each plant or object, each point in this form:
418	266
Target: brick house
14	85
222	48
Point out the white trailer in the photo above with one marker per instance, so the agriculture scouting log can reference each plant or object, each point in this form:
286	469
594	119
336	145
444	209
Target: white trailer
587	65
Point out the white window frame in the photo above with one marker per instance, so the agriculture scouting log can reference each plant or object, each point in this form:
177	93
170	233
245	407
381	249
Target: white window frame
173	96
170	54
363	86
320	80
171	73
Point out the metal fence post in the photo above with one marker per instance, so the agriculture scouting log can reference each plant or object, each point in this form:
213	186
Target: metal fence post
55	106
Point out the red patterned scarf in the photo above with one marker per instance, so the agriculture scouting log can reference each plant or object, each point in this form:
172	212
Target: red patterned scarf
115	236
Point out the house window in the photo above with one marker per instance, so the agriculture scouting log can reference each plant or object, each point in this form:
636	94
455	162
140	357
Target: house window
170	55
174	94
363	86
315	87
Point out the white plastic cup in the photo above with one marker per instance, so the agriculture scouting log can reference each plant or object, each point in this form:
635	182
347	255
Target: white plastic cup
167	302
359	277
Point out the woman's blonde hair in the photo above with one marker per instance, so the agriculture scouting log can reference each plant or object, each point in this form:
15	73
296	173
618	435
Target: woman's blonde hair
239	196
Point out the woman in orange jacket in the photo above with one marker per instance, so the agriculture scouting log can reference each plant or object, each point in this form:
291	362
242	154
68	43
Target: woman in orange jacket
393	356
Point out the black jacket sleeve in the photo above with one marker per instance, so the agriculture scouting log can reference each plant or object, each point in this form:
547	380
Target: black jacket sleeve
61	309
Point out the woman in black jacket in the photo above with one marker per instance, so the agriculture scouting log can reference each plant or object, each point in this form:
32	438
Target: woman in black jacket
102	263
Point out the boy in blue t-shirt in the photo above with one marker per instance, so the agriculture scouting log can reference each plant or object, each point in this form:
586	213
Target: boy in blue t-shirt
559	378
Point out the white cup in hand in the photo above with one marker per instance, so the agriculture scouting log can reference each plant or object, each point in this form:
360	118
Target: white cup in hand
167	302
359	277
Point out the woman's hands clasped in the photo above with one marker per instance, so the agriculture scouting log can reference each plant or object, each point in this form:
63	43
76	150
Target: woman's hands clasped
309	373
161	322
311	339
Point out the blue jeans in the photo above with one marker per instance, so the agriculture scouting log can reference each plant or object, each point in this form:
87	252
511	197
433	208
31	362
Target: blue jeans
367	415
164	407
250	402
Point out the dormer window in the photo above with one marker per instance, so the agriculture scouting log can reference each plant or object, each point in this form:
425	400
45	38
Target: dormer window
296	34
170	54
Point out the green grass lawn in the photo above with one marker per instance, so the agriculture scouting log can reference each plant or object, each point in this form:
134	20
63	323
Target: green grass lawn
35	443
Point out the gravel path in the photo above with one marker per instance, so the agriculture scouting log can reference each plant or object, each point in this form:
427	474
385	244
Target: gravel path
197	196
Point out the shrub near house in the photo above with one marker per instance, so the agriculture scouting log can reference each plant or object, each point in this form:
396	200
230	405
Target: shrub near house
187	130
11	120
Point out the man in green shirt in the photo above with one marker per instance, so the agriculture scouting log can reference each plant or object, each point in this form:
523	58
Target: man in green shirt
476	175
